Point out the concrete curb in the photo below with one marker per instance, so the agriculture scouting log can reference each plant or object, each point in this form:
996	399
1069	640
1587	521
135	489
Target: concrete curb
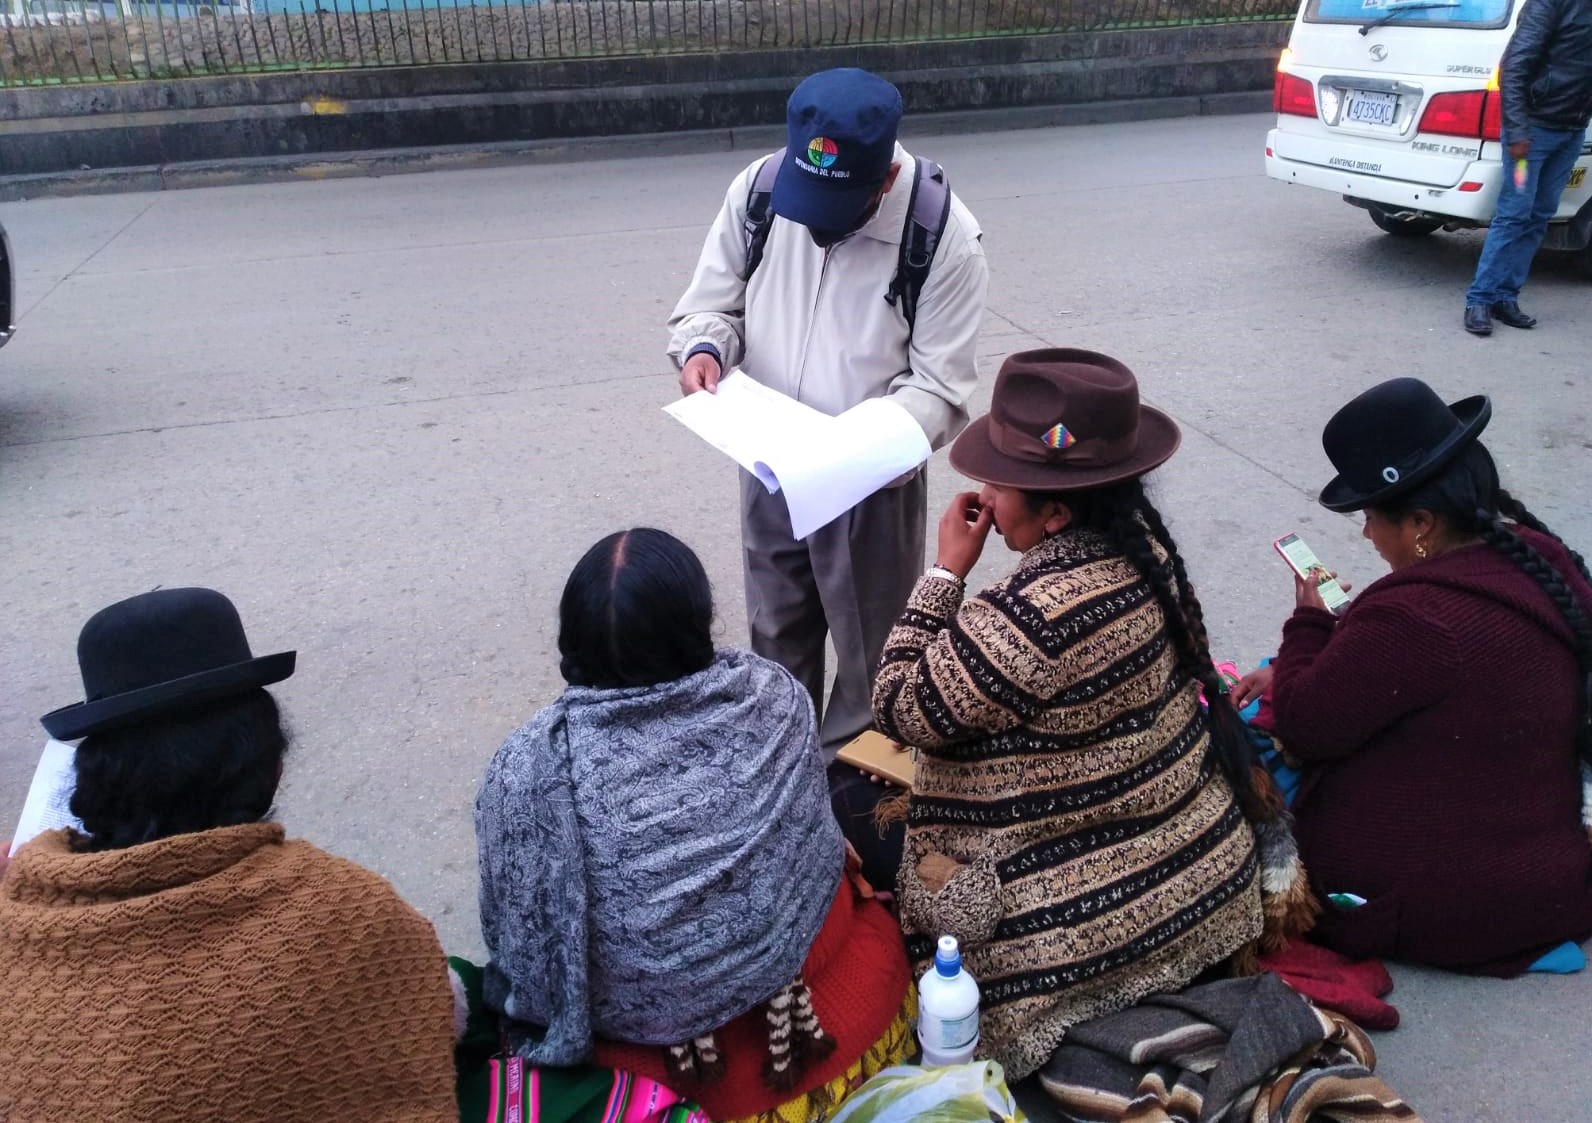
404	161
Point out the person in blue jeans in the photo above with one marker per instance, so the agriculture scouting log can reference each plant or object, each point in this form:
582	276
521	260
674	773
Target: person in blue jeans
1546	85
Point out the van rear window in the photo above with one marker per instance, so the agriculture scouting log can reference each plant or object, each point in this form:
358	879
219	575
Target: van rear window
1467	13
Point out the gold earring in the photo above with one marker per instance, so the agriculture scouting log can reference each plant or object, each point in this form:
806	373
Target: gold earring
1420	548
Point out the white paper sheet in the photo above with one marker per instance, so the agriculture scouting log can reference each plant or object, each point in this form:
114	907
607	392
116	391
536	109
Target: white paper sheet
824	465
47	806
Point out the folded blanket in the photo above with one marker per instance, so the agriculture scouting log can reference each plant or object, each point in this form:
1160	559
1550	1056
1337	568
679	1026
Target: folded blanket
1237	1050
1352	987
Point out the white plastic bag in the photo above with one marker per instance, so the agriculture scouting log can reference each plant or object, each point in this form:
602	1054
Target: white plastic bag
970	1093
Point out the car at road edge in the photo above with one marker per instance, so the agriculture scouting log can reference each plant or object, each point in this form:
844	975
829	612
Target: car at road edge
1394	105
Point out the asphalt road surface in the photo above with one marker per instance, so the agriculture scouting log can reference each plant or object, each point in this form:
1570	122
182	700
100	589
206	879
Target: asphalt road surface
387	415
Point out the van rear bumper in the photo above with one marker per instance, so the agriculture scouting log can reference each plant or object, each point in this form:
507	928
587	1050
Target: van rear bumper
1396	194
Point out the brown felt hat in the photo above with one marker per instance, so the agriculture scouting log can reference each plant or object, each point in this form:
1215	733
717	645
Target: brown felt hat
1064	420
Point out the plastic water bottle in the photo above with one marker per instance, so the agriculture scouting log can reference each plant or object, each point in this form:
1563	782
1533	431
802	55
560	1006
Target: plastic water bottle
947	1008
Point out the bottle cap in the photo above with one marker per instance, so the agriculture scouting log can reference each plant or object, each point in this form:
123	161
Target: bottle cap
948	957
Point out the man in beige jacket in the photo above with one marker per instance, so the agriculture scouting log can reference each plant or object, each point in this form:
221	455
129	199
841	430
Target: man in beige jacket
814	322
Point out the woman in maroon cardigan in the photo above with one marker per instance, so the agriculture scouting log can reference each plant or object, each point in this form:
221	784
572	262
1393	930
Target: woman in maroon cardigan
1443	720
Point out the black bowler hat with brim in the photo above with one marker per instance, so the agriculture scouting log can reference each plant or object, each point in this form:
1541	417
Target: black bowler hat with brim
159	653
1393	438
1064	420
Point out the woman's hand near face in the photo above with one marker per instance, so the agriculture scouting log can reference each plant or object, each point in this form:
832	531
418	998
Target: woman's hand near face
964	528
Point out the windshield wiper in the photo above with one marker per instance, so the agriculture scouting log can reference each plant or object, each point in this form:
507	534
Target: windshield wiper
1394	11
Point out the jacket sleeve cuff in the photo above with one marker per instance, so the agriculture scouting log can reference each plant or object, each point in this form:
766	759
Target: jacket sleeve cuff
936	598
711	329
703	348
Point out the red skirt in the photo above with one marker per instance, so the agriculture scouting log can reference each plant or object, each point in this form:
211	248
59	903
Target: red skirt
858	974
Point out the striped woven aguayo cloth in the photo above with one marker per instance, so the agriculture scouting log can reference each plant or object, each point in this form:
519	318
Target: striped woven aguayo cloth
1065	823
1235	1051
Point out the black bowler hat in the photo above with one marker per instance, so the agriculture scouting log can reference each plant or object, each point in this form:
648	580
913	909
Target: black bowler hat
168	650
1393	438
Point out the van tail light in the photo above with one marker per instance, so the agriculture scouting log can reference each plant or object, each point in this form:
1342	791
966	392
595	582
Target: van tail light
1455	114
1293	94
1492	111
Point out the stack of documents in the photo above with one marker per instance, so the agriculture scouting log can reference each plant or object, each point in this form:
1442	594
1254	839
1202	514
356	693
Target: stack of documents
824	465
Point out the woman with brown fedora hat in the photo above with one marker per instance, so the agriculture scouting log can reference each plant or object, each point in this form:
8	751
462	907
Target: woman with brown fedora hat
1443	719
1079	820
177	957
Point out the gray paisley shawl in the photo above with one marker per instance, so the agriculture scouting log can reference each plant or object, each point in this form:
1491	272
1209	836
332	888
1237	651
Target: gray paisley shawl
655	861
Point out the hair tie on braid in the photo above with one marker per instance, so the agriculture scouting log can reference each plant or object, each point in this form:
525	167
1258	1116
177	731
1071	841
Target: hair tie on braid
779	1070
796	1040
681	1062
810	1041
697	1061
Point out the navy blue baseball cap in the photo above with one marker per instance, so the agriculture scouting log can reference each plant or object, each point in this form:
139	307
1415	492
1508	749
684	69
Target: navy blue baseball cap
841	134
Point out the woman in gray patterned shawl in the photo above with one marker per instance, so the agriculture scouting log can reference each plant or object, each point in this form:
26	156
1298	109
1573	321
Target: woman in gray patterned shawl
658	855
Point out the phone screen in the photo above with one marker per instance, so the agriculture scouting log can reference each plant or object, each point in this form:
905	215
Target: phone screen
1303	561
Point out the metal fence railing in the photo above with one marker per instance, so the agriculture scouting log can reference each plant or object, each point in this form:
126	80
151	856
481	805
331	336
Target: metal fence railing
54	41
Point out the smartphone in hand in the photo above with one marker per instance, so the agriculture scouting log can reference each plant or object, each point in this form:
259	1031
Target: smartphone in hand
1303	561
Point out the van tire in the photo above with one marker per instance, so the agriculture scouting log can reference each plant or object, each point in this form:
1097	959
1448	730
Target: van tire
1403	227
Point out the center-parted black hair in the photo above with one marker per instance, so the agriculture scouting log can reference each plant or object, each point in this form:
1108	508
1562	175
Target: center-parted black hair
216	765
1468	497
637	610
1124	514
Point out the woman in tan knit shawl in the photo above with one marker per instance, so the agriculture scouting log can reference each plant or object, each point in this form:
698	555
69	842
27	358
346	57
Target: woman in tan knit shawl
1078	819
178	959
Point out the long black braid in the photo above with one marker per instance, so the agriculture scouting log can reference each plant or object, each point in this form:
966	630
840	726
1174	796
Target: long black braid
1511	508
1467	494
1124	514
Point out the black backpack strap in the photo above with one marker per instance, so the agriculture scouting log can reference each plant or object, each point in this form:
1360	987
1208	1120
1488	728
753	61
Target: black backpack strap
759	211
927	213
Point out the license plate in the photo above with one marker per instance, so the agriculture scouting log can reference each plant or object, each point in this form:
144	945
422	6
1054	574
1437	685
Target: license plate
1578	177
1363	107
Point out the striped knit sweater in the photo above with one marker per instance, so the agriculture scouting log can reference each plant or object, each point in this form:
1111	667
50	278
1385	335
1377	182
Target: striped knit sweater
1064	822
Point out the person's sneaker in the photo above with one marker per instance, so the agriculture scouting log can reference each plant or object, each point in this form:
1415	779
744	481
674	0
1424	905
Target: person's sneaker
1509	313
1477	319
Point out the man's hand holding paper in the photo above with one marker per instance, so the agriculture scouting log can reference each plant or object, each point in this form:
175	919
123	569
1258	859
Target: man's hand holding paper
700	372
